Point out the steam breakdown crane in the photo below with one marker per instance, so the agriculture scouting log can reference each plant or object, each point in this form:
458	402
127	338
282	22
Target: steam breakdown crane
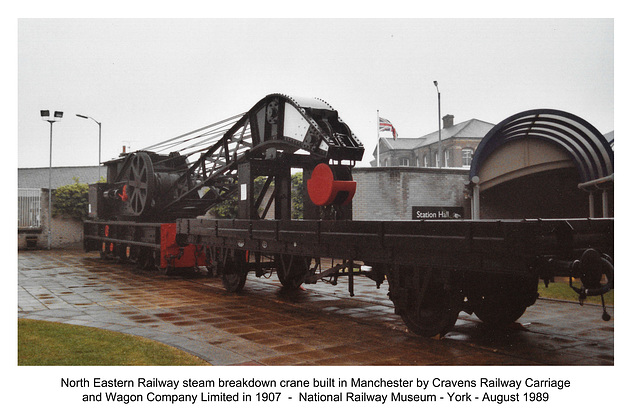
153	211
145	186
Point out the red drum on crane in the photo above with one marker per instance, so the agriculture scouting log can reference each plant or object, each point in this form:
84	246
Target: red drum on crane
331	185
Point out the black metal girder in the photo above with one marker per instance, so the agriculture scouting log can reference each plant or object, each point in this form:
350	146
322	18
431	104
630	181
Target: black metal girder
276	124
501	246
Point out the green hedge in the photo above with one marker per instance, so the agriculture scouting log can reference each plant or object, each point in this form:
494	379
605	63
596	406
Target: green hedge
71	201
228	209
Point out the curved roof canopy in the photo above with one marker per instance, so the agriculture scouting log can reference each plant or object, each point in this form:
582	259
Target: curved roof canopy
586	146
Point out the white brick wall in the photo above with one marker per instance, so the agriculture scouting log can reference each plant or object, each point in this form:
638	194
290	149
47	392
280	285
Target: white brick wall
388	193
65	232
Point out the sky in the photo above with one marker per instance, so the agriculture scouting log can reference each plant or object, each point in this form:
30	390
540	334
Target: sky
148	80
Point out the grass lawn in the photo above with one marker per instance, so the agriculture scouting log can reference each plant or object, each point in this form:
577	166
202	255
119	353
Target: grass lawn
51	343
562	290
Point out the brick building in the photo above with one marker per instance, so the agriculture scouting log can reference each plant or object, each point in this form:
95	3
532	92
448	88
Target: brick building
459	142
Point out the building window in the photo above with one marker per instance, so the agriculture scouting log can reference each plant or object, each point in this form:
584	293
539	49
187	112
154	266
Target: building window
426	160
446	158
467	155
404	162
437	160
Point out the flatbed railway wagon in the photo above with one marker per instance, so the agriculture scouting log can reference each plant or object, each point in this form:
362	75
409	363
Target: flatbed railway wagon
155	211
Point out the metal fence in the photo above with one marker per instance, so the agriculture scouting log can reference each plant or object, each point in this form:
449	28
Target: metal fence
29	208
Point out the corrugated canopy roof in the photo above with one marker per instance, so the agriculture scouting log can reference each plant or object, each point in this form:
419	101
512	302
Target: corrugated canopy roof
587	147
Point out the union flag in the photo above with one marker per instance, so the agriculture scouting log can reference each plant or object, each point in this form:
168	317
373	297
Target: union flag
386	125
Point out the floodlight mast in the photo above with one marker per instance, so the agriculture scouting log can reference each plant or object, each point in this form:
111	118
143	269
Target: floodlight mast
46	116
439	128
99	140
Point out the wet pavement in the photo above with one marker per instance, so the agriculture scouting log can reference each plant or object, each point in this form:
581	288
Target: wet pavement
318	325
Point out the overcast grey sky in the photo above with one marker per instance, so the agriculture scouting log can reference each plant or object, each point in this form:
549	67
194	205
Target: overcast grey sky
150	80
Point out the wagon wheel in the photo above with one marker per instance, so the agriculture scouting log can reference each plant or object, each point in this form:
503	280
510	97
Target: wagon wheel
139	183
234	271
291	270
436	316
104	252
431	309
144	258
498	312
120	251
505	301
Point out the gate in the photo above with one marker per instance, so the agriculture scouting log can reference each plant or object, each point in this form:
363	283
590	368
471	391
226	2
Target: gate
29	208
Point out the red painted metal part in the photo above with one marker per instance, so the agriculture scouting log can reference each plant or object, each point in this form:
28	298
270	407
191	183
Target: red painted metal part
324	189
124	196
171	254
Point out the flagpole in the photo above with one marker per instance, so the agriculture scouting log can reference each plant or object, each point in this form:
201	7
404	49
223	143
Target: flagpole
378	129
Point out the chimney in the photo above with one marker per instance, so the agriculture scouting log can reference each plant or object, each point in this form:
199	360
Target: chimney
447	121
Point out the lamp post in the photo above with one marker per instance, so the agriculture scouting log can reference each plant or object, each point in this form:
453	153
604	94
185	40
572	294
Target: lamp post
439	128
99	141
46	116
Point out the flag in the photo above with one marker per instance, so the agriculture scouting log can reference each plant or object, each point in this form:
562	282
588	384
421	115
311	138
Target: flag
386	125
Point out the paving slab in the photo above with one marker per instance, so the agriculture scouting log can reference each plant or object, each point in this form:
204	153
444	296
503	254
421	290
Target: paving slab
320	324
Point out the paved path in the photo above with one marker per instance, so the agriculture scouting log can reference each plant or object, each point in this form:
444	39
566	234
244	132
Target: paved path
320	325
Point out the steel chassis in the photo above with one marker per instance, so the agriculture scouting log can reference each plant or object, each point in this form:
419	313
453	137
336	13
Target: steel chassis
435	269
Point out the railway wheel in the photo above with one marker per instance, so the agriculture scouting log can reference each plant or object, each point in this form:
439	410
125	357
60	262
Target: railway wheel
144	258
234	271
430	307
504	300
291	270
104	253
498	312
436	316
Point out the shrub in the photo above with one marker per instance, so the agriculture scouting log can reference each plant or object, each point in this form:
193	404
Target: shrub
71	201
297	188
228	209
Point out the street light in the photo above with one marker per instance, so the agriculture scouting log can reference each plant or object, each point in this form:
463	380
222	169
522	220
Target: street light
46	116
99	140
439	129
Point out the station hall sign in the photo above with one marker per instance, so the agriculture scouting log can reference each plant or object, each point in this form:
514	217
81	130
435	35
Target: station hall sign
436	213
